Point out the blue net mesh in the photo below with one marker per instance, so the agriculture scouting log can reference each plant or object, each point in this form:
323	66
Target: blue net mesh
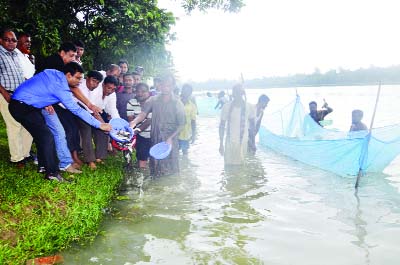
292	132
206	106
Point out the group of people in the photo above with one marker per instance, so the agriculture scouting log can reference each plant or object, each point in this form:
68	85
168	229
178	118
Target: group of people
64	112
319	115
240	123
52	103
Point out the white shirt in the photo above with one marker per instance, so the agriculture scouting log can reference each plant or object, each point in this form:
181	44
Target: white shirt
28	69
108	104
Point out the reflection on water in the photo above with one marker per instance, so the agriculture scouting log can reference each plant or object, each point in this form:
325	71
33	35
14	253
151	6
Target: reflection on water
360	229
272	210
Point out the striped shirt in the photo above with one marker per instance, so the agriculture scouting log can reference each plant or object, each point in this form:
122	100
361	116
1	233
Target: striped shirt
11	74
133	108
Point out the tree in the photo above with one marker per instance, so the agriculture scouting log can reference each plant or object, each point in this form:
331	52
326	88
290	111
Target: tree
136	30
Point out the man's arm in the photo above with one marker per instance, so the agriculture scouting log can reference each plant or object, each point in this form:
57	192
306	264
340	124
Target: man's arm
221	136
5	94
142	115
178	130
145	124
79	95
252	136
258	124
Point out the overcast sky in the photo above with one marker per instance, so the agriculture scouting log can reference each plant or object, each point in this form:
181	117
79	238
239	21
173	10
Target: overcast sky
281	37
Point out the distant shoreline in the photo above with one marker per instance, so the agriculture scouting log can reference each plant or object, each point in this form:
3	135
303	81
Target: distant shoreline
361	77
297	86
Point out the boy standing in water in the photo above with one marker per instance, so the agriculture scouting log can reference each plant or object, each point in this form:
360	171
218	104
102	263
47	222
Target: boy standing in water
142	130
189	130
356	124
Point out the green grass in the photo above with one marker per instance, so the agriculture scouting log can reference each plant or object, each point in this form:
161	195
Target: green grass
40	217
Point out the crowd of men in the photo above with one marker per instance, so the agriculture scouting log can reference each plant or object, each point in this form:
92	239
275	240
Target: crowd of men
65	112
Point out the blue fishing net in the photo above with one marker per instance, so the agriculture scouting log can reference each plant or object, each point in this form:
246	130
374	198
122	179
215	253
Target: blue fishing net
206	106
292	132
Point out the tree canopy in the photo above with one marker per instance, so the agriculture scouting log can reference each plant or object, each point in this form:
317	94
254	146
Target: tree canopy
135	30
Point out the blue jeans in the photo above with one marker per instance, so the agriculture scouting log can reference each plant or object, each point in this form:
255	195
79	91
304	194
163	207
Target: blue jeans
56	128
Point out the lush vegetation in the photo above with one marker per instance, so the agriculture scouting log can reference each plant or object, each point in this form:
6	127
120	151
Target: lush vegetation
341	77
40	217
136	30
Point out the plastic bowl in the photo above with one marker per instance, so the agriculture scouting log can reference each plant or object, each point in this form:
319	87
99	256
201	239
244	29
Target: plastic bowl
121	131
160	150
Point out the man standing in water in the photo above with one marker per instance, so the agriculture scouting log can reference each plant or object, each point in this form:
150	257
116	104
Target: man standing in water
239	115
259	107
356	123
319	115
167	120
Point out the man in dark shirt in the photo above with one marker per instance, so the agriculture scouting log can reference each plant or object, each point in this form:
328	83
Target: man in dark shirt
127	94
66	53
319	115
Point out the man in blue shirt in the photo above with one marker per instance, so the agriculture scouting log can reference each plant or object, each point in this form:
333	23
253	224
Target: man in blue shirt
47	88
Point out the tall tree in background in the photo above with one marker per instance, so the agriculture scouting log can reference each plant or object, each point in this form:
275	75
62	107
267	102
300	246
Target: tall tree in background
136	30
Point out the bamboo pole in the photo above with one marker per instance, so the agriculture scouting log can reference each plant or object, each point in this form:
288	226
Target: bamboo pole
360	173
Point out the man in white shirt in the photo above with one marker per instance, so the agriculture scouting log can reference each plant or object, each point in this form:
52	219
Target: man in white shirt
23	52
103	97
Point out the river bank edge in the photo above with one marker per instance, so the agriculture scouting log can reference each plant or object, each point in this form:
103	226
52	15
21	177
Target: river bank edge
39	218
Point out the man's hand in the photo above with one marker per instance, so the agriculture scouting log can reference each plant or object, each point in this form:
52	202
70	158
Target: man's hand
325	106
169	141
98	117
105	127
193	139
132	124
95	109
50	109
137	131
7	96
221	149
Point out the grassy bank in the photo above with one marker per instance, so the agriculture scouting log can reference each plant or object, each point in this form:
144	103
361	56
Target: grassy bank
40	217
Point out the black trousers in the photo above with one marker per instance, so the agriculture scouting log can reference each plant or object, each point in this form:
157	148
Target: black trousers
31	118
89	136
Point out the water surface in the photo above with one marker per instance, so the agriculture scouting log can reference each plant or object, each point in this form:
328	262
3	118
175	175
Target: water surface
273	210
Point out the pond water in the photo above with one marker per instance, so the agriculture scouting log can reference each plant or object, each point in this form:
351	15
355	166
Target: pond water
272	210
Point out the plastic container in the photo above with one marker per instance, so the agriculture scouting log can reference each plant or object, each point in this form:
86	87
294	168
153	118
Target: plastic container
160	150
121	131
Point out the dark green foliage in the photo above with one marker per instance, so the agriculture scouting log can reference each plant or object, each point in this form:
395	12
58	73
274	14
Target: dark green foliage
135	30
114	29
